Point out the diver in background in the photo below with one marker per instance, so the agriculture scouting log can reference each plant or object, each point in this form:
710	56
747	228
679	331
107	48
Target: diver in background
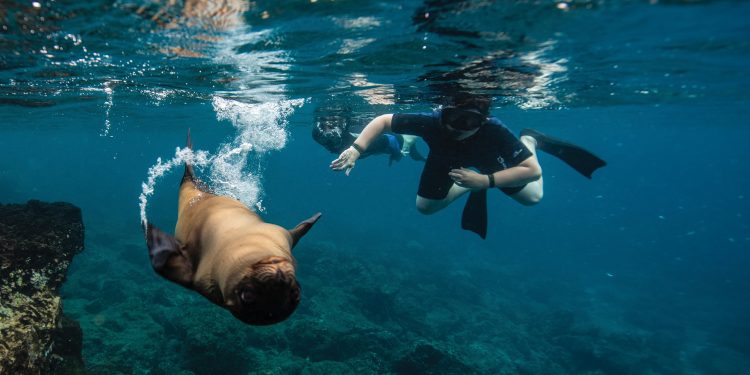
332	131
471	152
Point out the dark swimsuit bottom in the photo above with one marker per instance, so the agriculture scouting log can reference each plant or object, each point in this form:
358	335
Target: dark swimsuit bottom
435	181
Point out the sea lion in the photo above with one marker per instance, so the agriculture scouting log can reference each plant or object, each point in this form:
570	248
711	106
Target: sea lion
226	252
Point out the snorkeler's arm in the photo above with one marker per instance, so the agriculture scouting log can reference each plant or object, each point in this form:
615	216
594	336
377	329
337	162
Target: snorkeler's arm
374	129
527	171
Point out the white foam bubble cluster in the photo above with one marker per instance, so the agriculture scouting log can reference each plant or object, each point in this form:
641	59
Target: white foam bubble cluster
260	128
236	169
262	125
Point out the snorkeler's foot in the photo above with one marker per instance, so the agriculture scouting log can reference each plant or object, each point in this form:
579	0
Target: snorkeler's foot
529	142
577	157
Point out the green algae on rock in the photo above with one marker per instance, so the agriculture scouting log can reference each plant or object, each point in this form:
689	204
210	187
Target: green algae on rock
37	243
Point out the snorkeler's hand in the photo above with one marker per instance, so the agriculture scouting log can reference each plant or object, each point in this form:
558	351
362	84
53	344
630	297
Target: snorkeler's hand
469	179
346	160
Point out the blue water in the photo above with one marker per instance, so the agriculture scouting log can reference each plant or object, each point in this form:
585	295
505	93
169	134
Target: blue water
641	270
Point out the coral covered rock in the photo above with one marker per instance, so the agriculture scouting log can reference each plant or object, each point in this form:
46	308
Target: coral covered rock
37	243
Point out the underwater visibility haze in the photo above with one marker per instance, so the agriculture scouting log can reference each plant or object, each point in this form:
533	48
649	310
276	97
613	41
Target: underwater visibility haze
641	270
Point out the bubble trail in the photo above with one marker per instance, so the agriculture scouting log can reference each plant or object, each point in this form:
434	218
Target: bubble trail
182	156
109	91
261	129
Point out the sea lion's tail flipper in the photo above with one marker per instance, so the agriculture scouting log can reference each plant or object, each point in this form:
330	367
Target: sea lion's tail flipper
189	173
302	228
167	258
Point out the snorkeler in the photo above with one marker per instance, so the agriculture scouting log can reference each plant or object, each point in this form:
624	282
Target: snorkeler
332	132
471	152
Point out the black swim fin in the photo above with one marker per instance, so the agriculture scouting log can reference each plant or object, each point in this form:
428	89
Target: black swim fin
577	157
474	217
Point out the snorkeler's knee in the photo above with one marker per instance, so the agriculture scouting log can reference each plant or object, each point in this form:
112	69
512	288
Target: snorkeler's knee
427	206
532	198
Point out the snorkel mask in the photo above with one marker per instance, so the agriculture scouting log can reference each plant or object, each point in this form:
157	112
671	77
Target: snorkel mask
461	120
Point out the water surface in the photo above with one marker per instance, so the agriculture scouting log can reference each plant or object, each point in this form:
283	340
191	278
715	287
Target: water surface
640	270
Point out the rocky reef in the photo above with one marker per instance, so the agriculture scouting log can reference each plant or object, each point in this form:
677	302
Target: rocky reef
388	311
37	243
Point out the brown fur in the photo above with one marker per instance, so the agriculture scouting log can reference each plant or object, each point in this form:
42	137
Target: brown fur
225	251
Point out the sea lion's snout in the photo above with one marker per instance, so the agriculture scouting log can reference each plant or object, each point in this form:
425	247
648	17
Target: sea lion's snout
269	295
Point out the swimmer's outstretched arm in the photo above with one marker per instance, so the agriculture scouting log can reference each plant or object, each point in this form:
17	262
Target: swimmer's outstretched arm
374	129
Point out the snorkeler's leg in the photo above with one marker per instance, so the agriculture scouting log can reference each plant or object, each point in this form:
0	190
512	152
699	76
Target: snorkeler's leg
430	206
408	143
436	187
409	147
533	192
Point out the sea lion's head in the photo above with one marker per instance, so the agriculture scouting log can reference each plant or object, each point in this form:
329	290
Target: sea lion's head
268	294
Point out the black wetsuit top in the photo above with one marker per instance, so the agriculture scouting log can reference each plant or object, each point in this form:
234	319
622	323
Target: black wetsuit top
492	148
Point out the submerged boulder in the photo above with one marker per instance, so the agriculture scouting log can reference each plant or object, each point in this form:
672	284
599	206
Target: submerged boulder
425	358
37	243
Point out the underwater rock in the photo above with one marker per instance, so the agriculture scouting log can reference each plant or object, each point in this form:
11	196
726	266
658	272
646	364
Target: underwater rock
37	243
427	359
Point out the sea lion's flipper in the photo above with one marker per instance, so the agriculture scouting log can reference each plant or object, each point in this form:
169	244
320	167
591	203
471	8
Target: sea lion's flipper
167	257
189	174
302	228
